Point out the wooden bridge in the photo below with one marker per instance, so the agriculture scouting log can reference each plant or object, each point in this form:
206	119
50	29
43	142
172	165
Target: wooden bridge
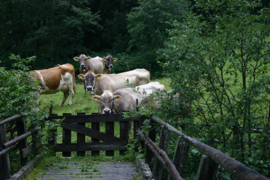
85	126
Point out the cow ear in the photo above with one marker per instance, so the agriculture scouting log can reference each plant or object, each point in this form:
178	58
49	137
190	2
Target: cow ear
81	76
117	97
115	59
98	76
96	98
88	58
76	58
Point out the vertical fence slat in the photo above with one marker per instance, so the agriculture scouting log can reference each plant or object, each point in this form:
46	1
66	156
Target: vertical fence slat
135	137
81	138
149	154
95	126
52	139
110	130
163	144
207	169
124	134
4	159
180	155
66	139
20	124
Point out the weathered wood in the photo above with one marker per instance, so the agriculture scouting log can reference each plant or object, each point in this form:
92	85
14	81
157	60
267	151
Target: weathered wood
94	146
135	136
25	170
4	159
149	154
53	134
180	155
20	139
10	119
110	131
106	137
96	127
30	149
21	130
124	133
4	151
162	156
207	169
93	118
80	138
66	138
163	144
235	168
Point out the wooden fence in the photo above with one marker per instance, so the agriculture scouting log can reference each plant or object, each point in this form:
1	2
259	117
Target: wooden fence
19	142
211	157
89	125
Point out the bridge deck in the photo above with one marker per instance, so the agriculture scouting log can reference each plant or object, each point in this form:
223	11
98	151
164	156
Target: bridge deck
77	169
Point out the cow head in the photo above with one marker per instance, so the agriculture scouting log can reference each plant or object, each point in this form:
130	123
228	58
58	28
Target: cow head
89	79
109	62
106	99
82	58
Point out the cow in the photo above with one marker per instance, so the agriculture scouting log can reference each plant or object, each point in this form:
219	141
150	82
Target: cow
113	82
108	63
53	80
125	99
97	64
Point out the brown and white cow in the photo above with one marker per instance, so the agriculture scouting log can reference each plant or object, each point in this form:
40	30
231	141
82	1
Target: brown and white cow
125	99
113	82
97	64
59	78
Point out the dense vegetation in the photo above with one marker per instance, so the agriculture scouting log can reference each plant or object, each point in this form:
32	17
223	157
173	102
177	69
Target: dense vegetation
216	55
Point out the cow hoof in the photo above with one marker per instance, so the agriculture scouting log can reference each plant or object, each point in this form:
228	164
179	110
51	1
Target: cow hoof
92	93
69	104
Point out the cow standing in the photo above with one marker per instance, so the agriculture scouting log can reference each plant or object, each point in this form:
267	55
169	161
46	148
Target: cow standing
97	64
59	78
113	82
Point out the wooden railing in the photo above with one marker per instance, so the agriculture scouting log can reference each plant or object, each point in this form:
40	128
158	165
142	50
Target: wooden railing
211	157
23	146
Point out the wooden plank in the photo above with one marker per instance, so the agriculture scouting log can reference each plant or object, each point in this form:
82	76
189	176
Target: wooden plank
94	146
110	131
207	169
124	133
91	132
10	119
135	128
4	159
181	155
20	124
149	154
96	127
163	144
66	139
93	118
81	137
30	149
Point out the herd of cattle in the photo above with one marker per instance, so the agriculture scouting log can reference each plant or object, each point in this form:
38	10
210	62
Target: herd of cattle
110	91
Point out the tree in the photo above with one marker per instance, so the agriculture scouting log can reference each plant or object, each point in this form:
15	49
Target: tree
148	24
220	64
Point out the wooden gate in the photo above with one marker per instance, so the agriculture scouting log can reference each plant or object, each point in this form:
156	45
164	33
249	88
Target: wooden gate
90	126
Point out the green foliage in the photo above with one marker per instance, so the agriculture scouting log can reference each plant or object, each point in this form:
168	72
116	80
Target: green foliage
18	97
220	64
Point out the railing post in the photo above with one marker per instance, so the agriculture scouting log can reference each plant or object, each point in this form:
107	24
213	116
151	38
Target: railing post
53	133
207	169
124	133
110	131
4	159
180	155
149	154
20	124
163	144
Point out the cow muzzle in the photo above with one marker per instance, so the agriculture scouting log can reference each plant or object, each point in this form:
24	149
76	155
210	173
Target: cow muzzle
107	111
82	65
110	66
89	88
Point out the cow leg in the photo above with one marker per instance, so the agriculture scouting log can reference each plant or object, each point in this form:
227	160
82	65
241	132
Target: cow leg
66	93
72	91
